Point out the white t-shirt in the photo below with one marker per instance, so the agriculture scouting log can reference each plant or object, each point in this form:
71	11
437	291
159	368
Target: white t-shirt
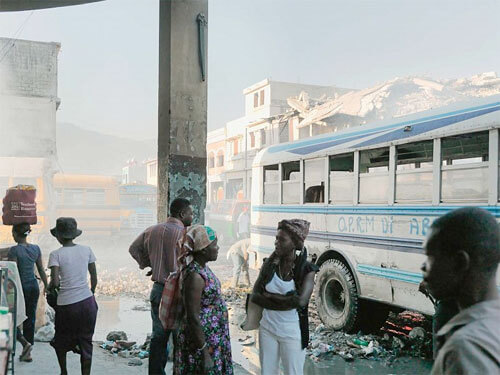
73	262
284	324
244	223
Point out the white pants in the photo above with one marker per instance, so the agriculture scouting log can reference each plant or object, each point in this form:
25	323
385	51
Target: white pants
272	348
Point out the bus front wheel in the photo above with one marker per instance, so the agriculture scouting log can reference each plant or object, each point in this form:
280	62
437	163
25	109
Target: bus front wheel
336	296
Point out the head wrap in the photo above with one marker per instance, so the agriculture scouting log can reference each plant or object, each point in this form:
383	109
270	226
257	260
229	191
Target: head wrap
298	228
198	237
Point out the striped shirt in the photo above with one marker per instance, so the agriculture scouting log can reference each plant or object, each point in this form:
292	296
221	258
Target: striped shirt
158	247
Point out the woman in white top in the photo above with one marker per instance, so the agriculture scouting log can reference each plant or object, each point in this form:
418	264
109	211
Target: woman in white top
76	310
283	289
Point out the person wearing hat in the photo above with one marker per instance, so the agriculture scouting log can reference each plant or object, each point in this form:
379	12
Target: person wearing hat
76	310
27	255
203	342
283	290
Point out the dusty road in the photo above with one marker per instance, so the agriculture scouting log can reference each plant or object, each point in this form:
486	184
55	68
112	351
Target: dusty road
123	305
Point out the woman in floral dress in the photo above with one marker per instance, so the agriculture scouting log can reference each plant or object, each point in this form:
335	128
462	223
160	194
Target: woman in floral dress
203	343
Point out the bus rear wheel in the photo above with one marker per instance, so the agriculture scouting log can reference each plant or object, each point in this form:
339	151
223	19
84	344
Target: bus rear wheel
337	298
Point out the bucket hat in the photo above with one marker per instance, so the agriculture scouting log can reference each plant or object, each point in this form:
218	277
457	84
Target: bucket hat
66	228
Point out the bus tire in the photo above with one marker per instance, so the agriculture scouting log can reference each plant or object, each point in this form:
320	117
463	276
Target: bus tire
336	296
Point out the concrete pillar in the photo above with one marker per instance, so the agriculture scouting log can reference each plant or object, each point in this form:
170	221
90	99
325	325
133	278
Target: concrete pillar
182	104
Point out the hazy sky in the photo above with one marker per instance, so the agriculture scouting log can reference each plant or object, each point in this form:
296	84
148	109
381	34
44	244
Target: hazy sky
108	65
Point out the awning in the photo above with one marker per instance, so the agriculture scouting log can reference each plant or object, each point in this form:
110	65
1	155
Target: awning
18	5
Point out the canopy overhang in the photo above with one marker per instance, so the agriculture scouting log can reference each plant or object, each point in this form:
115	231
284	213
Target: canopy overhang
18	5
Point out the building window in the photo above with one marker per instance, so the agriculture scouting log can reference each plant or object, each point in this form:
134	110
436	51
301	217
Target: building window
261	97
152	170
235	147
252	139
220	159
256	100
211	161
263	135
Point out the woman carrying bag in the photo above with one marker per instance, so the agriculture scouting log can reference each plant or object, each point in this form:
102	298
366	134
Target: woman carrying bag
283	290
203	342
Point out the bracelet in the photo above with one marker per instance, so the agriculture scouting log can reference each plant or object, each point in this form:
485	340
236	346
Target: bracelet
203	347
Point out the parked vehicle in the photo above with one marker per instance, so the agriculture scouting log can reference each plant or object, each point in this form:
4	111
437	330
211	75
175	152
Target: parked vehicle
371	193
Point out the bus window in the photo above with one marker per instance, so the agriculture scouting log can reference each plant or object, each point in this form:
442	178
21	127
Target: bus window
414	172
271	184
291	182
374	175
342	179
314	181
96	197
74	197
464	174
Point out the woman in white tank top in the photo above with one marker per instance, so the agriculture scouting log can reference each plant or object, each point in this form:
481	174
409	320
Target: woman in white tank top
283	289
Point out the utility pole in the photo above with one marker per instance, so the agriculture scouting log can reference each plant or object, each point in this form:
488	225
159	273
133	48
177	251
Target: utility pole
182	104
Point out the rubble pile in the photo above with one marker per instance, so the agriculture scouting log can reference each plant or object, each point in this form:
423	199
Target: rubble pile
118	345
405	334
46	332
132	283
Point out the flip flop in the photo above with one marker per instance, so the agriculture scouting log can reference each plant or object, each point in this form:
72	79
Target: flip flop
25	355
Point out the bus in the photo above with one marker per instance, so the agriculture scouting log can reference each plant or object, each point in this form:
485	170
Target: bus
138	202
93	200
371	194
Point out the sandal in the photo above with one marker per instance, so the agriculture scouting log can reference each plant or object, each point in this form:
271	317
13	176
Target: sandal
26	354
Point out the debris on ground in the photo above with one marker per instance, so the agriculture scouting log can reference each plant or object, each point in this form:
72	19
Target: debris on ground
46	332
123	282
117	344
404	334
135	362
116	336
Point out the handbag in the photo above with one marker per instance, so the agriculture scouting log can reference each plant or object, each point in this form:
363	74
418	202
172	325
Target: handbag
52	297
254	315
170	309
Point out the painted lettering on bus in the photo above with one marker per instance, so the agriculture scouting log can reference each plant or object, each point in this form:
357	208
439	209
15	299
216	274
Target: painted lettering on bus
358	224
420	227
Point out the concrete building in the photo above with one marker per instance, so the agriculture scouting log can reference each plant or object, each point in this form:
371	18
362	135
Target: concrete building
133	172
265	103
151	171
216	164
28	98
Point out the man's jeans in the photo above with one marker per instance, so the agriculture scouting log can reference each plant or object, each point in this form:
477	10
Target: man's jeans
239	266
159	339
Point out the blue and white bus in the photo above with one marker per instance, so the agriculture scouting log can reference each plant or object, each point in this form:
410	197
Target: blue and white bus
371	193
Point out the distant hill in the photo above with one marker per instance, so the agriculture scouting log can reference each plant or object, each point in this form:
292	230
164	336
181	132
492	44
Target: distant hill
88	152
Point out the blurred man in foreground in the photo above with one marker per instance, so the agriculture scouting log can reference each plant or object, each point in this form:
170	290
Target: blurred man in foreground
463	252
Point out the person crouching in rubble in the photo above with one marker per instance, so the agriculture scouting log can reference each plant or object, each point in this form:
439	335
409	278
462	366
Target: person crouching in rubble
239	256
76	310
26	256
463	253
283	290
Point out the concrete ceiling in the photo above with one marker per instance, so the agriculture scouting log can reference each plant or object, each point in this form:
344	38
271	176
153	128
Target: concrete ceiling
16	5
